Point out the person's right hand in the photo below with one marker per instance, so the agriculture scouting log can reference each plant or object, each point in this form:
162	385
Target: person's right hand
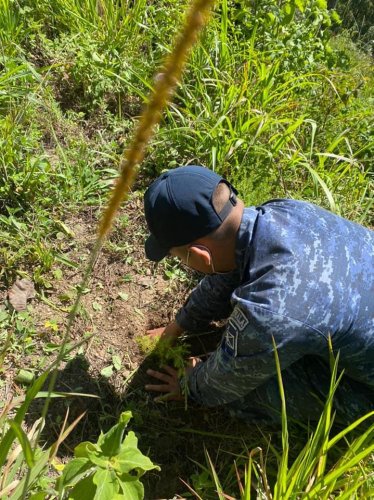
170	332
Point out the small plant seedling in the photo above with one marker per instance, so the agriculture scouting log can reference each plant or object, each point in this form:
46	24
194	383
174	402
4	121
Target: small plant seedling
57	273
123	296
173	271
122	221
164	350
107	372
96	306
65	298
51	325
25	377
116	364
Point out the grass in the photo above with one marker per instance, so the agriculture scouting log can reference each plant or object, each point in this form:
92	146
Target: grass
267	100
322	469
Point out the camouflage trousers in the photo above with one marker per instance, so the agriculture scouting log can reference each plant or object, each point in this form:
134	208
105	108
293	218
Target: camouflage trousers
306	385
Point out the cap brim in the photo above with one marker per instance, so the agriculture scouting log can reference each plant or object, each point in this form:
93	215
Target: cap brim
153	250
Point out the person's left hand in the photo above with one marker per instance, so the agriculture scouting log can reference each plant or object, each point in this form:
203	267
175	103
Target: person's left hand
170	379
170	384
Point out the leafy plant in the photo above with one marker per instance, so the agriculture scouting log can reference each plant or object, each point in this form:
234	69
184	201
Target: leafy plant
109	469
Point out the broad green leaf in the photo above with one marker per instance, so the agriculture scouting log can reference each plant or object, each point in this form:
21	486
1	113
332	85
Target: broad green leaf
24	377
83	490
132	488
110	443
107	484
74	469
131	458
4	315
97	458
83	449
130	441
300	5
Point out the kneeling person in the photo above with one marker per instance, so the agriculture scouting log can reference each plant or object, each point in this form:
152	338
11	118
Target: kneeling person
286	272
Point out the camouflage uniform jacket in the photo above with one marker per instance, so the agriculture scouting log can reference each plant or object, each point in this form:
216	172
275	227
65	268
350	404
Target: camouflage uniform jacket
303	274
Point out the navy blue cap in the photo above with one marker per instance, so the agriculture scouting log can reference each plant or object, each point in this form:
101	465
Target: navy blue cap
179	210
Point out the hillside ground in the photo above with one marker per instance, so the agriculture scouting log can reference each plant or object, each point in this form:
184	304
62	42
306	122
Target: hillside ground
126	296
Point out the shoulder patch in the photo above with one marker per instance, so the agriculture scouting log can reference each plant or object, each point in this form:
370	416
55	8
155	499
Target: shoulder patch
237	322
230	340
239	318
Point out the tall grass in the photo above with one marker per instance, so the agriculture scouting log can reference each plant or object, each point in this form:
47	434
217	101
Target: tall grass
272	130
324	468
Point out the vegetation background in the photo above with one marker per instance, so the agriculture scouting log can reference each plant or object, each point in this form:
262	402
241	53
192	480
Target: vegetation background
278	96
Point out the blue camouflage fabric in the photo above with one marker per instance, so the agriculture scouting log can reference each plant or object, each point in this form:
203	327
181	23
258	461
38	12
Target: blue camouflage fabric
303	275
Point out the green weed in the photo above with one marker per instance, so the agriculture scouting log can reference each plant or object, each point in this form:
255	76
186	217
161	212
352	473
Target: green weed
110	468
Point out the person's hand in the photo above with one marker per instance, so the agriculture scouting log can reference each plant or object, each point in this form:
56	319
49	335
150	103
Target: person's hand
156	332
170	332
170	384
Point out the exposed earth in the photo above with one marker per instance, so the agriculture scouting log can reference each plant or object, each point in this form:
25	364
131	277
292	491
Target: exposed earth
125	297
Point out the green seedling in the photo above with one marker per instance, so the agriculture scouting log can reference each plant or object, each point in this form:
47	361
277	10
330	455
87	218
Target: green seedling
25	377
96	306
57	273
164	350
167	354
52	325
107	372
65	298
117	363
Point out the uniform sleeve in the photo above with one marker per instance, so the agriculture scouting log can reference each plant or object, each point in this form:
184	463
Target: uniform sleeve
245	358
209	301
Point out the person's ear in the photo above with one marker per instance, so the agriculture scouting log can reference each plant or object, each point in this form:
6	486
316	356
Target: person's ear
201	254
